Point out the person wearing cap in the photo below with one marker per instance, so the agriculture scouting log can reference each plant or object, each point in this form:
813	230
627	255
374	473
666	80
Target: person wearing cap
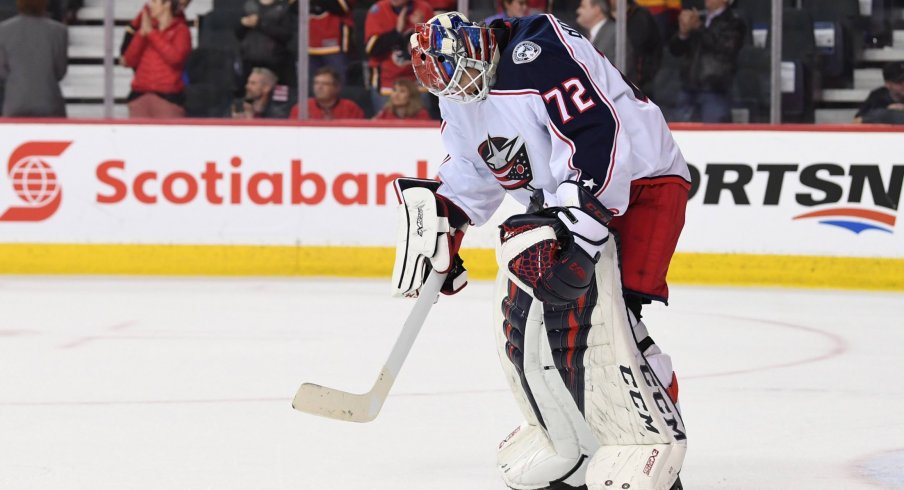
886	103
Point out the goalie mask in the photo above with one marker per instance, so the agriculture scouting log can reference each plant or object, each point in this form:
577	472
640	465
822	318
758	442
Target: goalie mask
455	58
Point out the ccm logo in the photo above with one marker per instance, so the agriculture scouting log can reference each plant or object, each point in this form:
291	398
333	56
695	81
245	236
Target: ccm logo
34	180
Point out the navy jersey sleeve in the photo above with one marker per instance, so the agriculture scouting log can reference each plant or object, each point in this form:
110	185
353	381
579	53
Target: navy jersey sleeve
573	80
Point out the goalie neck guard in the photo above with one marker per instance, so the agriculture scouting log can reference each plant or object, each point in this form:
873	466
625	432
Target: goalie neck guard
454	57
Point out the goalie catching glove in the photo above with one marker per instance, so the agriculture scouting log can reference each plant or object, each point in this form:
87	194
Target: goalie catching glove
431	228
553	253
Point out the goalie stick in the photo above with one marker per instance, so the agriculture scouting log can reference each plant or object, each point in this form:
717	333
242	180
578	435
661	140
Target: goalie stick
351	407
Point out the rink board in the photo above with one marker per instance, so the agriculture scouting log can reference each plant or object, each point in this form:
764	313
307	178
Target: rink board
792	207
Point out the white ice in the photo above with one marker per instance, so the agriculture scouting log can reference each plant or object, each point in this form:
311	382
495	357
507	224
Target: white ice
157	383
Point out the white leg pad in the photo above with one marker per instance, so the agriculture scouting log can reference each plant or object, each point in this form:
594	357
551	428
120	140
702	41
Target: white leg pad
630	430
532	457
639	427
638	467
528	460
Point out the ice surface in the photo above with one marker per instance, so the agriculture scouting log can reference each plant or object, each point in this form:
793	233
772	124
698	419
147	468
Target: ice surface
156	383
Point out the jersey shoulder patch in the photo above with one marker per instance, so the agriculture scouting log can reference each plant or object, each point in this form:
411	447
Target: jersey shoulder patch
535	52
525	52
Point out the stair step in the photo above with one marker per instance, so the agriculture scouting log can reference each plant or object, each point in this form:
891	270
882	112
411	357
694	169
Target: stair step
853	95
87	81
884	54
88	41
128	9
868	78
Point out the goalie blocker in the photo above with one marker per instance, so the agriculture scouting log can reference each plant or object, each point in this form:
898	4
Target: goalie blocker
431	229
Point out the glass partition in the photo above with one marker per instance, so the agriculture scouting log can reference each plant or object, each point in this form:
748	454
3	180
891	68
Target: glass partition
713	61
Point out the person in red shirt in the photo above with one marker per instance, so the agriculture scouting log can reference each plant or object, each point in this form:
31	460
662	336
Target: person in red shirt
326	104
387	29
158	54
135	25
404	103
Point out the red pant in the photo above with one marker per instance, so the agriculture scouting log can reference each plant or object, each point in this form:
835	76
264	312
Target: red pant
648	233
155	107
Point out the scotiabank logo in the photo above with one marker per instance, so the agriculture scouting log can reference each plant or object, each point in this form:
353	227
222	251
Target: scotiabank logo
216	185
34	181
857	197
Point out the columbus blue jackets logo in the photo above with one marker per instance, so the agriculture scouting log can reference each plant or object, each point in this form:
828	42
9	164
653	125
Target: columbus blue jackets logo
507	160
525	52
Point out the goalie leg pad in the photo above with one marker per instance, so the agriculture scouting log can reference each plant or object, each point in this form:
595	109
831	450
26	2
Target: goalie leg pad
555	437
635	418
581	380
528	461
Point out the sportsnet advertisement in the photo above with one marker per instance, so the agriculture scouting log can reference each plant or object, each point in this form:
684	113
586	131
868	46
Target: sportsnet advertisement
828	193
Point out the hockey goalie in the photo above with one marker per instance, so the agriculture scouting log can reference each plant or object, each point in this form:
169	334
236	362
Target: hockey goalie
531	109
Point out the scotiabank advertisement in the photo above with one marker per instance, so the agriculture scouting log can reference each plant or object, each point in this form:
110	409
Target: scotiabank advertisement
205	184
828	193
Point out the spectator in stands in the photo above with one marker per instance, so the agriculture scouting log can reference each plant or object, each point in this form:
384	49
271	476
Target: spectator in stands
265	32
404	103
33	60
158	53
135	25
646	45
264	99
326	104
885	104
387	28
595	17
708	46
510	8
330	34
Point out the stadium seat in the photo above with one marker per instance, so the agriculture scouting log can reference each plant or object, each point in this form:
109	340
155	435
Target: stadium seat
841	17
797	103
799	48
878	25
752	84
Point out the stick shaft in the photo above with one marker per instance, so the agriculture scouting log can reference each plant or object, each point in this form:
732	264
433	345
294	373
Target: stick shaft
336	404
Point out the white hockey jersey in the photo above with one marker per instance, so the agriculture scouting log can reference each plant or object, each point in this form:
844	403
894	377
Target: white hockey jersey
558	111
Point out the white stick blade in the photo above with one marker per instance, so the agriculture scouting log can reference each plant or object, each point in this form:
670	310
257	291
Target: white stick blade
335	404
